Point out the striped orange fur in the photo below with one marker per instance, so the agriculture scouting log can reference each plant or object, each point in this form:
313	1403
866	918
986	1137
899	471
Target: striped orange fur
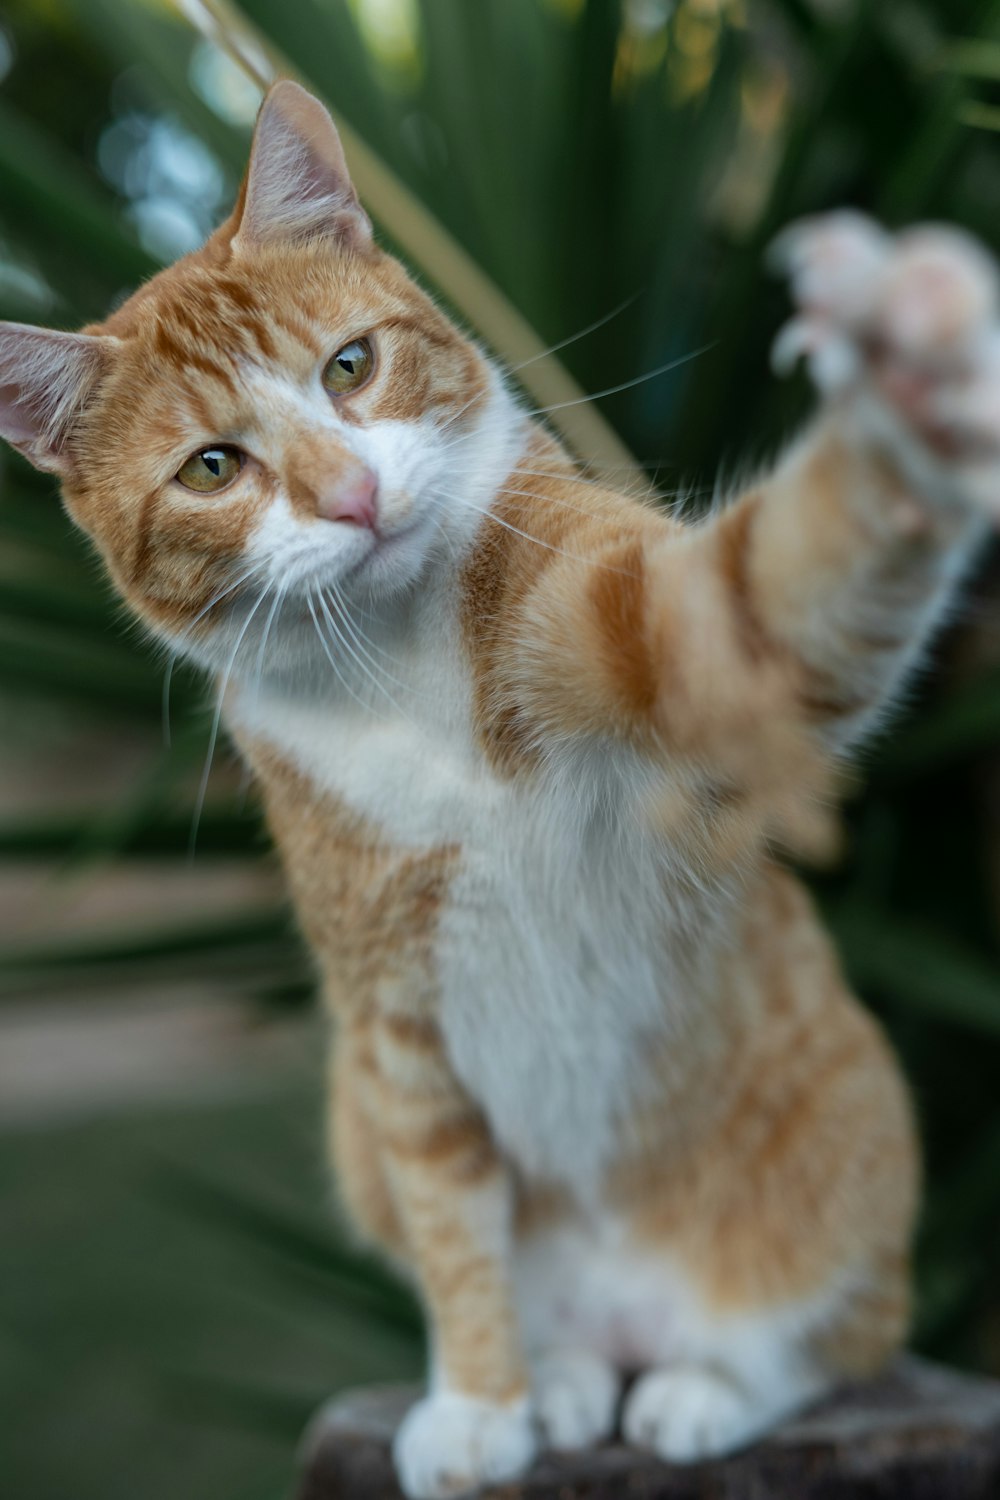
527	747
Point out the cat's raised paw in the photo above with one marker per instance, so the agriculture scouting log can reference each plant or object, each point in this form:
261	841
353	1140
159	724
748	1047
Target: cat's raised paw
448	1444
688	1413
907	325
575	1398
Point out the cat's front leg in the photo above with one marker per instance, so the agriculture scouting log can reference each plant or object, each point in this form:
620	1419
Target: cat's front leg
743	648
454	1197
784	626
853	547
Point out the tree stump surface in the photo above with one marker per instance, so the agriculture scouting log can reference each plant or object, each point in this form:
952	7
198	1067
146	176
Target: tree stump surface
921	1432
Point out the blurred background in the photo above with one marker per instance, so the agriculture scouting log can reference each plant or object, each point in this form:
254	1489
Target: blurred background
176	1294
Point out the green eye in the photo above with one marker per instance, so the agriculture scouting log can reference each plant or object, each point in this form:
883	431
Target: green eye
349	367
210	470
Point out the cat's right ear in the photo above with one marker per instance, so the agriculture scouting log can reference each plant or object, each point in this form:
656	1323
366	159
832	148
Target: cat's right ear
297	185
45	380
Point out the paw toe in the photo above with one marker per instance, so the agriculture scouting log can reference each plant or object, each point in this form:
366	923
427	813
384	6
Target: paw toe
449	1444
576	1397
833	262
686	1415
939	293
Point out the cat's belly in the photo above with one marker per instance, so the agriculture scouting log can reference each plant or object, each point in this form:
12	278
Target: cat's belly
558	981
548	1051
590	1289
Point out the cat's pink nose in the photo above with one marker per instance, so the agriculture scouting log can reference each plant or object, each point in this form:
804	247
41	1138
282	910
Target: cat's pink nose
352	499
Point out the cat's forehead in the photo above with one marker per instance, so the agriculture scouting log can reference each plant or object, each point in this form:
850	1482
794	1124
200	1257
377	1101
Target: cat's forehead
231	346
210	308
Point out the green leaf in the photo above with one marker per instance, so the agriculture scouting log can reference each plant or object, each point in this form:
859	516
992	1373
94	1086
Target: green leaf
931	972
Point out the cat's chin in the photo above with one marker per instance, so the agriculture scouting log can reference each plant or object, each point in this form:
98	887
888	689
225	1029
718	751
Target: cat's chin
395	563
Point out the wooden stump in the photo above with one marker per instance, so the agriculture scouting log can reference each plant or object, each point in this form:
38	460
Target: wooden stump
922	1432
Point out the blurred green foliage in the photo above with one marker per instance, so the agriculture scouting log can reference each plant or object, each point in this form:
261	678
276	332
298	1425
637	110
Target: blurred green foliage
587	153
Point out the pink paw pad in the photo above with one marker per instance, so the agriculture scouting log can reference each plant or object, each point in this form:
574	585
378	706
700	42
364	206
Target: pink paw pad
938	294
907	328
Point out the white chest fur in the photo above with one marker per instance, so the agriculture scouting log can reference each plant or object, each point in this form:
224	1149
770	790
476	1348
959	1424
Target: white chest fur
556	950
556	974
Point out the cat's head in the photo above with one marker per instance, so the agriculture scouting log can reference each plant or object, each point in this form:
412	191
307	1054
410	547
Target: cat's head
278	427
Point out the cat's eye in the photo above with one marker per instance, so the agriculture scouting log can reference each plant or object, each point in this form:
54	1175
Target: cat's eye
349	368
211	469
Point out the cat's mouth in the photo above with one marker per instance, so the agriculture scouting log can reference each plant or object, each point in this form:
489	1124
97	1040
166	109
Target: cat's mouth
379	561
387	551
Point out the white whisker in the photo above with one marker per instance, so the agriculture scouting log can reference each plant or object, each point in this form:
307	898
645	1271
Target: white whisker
608	487
445	535
665	501
279	599
625	385
528	537
362	641
368	707
165	698
169	674
353	655
556	500
217	720
573	337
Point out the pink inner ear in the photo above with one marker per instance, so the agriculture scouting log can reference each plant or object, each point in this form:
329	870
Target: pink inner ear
45	377
298	182
314	177
15	420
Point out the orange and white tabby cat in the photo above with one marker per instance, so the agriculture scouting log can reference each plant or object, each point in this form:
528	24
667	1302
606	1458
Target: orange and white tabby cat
525	744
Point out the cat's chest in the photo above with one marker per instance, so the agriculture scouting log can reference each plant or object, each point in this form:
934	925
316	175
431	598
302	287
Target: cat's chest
409	779
555	948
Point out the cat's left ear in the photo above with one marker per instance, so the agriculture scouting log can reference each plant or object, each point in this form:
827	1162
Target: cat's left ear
297	184
46	378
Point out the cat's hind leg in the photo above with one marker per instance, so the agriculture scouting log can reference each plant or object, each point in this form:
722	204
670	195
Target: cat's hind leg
709	1380
686	1413
750	1249
782	1233
749	1373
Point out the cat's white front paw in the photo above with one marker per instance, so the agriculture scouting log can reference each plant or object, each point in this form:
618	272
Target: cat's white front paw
689	1413
449	1444
575	1398
907	325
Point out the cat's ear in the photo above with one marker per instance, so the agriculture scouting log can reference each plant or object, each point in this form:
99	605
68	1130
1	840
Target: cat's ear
45	380
297	184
